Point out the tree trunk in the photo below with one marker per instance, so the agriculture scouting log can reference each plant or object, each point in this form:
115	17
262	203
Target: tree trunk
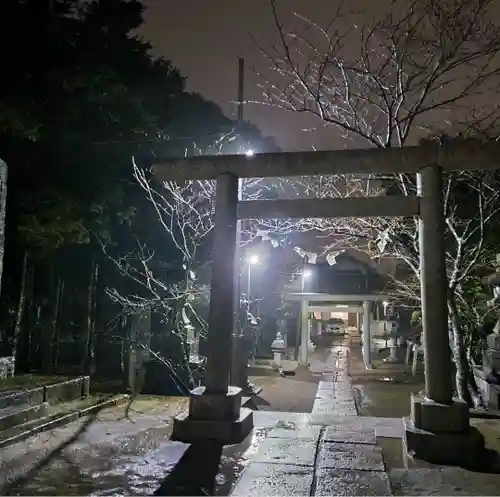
30	317
21	304
3	201
48	316
88	364
55	323
125	352
467	388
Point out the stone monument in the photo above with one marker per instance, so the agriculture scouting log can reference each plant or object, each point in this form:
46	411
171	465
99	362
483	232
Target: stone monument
488	377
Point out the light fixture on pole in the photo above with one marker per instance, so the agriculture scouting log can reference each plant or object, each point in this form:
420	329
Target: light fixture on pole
306	273
252	260
386	305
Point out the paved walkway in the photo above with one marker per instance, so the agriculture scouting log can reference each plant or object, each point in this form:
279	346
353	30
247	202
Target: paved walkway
333	453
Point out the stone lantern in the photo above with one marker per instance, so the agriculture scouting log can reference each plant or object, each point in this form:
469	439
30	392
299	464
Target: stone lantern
278	348
489	378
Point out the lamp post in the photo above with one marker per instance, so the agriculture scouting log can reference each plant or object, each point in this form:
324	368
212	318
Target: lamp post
306	273
252	260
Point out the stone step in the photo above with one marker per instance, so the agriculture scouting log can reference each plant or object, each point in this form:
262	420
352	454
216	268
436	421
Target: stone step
16	415
33	396
53	393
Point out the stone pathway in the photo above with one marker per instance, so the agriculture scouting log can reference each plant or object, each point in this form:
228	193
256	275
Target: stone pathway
337	457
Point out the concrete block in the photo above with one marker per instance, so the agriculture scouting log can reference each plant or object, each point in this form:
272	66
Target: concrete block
349	434
14	415
204	405
86	386
266	480
225	432
491	359
434	417
310	433
325	386
491	393
351	483
27	397
464	448
285	451
64	391
349	456
493	341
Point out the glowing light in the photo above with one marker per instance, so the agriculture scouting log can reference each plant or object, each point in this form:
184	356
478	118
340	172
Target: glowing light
307	273
253	259
250	153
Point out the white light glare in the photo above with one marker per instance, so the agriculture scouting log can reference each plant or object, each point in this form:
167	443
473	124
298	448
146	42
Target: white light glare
307	273
250	153
253	259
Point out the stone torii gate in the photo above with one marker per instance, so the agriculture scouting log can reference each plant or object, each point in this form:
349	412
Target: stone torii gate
360	304
439	425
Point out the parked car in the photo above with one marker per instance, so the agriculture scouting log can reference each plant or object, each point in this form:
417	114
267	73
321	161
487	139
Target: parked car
335	326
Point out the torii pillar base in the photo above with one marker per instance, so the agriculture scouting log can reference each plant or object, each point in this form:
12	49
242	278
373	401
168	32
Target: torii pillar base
441	434
214	417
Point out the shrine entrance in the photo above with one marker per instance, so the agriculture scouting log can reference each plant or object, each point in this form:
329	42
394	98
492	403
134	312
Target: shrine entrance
215	410
327	303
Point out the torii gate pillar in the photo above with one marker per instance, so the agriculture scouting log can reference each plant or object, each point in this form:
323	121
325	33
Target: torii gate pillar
215	411
438	429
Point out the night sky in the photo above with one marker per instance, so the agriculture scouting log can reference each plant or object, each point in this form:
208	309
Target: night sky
204	39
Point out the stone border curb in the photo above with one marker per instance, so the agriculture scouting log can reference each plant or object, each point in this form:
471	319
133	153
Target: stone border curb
50	392
61	420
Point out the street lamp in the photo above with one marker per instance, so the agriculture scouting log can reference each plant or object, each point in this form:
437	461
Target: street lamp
252	260
305	274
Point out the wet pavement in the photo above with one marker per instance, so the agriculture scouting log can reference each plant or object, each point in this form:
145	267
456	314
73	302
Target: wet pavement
328	451
335	451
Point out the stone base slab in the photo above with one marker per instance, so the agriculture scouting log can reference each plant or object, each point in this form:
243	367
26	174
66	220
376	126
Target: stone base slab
462	449
206	406
226	432
439	418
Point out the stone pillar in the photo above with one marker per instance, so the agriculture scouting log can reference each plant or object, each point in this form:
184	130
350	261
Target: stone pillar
438	429
309	333
367	336
434	287
304	331
222	305
215	411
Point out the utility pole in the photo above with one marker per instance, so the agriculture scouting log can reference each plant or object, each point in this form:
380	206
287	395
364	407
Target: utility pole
239	369
241	89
